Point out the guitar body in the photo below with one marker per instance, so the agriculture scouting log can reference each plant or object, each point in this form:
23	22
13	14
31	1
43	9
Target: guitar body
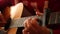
16	12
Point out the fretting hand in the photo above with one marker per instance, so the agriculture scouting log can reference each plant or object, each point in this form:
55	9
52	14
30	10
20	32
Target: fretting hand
32	27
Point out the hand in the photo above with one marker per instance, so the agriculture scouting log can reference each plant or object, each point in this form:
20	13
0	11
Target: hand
32	27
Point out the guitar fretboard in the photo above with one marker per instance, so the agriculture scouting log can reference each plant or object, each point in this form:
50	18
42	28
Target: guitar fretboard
20	22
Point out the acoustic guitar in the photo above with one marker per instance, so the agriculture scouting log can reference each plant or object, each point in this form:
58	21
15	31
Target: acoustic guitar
16	12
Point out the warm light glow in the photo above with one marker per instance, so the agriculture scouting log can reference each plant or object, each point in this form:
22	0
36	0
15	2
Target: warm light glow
16	11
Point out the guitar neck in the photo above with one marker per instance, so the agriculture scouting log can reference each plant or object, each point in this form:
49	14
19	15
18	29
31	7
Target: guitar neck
20	22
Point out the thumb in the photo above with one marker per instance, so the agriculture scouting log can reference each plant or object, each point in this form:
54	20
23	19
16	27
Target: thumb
39	13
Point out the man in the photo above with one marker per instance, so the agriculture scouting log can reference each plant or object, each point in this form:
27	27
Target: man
31	27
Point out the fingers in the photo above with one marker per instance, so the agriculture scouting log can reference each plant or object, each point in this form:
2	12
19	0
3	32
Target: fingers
35	23
38	13
31	21
31	25
28	24
27	21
